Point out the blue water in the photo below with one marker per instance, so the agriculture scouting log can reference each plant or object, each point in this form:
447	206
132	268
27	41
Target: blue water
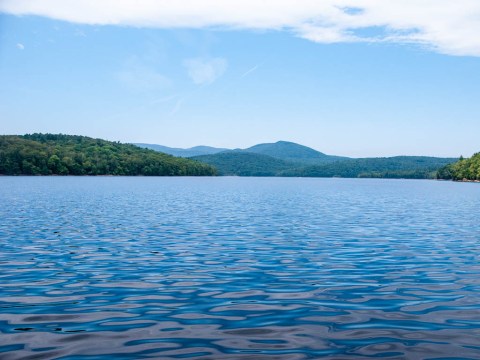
238	268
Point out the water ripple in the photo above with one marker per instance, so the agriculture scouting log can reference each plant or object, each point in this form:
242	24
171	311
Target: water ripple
236	268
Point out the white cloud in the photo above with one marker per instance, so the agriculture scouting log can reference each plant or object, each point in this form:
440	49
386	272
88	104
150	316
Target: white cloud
205	71
446	26
20	46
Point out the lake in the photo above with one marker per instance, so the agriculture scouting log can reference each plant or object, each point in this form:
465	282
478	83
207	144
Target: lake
238	268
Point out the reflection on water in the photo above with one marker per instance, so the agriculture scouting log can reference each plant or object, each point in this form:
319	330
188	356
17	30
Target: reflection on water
238	268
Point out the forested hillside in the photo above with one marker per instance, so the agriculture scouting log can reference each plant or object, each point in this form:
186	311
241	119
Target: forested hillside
463	169
293	152
411	167
49	154
243	163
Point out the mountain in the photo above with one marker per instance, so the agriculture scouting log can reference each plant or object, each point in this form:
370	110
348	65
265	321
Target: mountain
285	158
194	151
49	154
283	150
242	163
293	152
462	170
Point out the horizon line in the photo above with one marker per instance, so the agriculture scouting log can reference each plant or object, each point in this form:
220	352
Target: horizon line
242	148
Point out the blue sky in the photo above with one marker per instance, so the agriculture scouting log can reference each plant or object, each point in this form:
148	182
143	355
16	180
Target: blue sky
154	81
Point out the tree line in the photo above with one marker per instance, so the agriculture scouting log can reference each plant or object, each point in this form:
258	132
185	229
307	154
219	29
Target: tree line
58	154
463	169
243	163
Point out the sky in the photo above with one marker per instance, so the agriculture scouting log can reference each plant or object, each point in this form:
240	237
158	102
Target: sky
346	77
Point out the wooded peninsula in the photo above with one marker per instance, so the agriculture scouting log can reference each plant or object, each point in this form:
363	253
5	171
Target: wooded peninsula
462	170
49	154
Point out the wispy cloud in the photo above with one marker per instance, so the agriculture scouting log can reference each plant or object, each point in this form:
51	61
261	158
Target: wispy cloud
80	33
205	71
20	46
445	26
176	108
139	77
164	99
251	70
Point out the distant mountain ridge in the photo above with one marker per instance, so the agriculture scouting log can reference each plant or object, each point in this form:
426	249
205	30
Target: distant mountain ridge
285	150
284	158
190	152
